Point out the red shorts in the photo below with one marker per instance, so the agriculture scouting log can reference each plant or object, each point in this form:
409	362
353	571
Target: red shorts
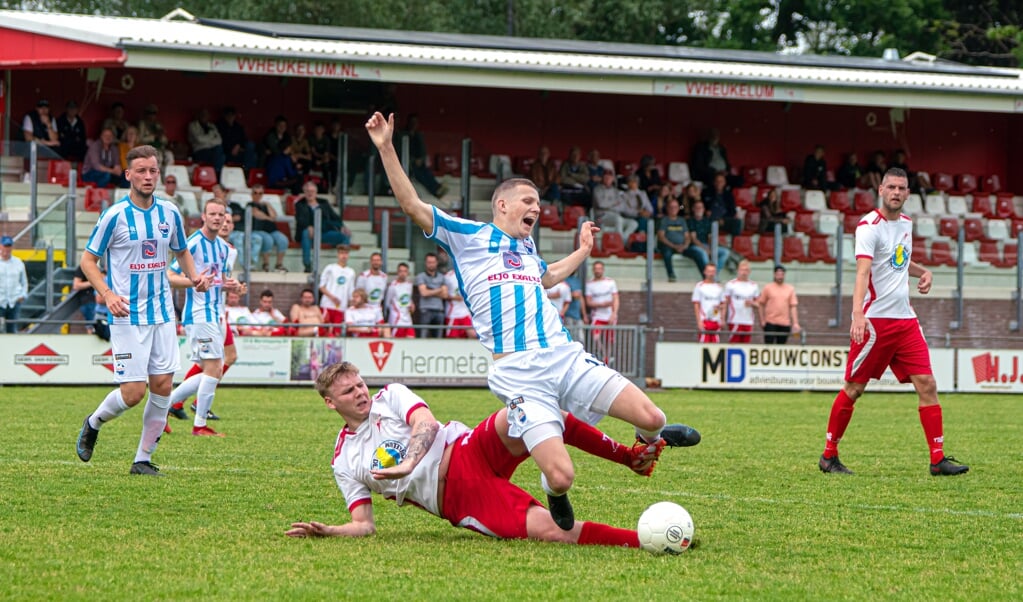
459	333
710	335
404	333
895	342
331	316
228	337
374	333
737	331
478	494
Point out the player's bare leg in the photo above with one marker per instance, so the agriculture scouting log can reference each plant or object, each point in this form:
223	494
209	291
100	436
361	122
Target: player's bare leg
557	475
633	406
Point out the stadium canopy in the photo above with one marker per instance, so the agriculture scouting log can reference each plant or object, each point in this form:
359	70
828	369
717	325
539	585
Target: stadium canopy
181	42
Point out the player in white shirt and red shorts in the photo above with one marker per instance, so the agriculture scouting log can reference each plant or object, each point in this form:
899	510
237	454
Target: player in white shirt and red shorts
398	301
740	297
885	331
337	281
392	445
708	303
456	312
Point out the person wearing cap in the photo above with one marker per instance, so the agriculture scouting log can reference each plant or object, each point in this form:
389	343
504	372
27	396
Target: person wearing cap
38	125
71	133
778	308
13	284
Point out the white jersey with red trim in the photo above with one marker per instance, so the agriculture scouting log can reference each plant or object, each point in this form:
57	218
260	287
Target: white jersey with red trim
380	442
709	295
738	292
889	246
375	284
398	300
602	291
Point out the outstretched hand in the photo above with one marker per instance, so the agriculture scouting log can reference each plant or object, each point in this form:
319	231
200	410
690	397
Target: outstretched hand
380	129
587	233
310	529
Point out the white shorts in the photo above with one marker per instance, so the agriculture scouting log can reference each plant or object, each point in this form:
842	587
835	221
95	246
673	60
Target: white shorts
536	385
207	341
143	351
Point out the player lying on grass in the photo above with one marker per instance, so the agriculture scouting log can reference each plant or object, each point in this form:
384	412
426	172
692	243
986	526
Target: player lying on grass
392	444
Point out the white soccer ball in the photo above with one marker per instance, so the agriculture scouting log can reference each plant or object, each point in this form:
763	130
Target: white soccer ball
665	528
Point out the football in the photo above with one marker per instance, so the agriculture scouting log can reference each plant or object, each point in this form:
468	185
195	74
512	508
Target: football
665	528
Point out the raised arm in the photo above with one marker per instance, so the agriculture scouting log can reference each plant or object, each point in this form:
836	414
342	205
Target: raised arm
381	131
563	268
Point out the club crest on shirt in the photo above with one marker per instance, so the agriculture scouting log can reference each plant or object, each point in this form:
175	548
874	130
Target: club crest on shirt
900	257
164	228
512	260
149	248
389	453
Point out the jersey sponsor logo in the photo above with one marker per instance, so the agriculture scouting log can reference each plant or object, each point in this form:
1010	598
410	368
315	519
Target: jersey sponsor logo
512	260
375	294
148	248
404	300
341	280
164	229
900	257
389	453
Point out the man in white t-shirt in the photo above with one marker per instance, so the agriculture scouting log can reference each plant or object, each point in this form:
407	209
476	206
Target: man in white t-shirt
398	301
709	304
561	296
392	445
270	320
337	281
374	280
602	303
741	295
456	313
885	331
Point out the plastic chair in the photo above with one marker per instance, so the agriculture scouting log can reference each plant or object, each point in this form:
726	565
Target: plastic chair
777	175
814	200
804	223
982	204
948	226
820	250
792	249
549	217
974	227
95	198
838	200
744	198
943	182
233	178
864	202
790	200
992	184
204	176
743	245
966	183
941	253
753	176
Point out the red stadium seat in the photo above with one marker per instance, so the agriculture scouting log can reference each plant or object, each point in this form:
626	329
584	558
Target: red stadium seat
523	165
96	199
804	223
743	245
1016	228
991	184
257	175
59	172
864	202
941	254
625	168
751	223
849	223
966	183
948	226
612	243
448	164
204	176
792	249
943	182
549	217
974	228
1004	207
572	215
478	167
982	205
744	198
1009	255
989	252
765	248
790	200
752	176
839	201
819	250
291	199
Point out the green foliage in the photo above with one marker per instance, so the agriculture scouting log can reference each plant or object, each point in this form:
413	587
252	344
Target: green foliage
768	524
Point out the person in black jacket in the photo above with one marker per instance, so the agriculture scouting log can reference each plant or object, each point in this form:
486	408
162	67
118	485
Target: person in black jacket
333	231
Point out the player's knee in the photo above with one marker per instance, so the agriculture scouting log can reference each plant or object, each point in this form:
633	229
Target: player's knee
853	390
559	479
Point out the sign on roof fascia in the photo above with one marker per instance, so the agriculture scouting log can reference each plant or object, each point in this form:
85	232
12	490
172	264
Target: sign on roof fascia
294	67
728	90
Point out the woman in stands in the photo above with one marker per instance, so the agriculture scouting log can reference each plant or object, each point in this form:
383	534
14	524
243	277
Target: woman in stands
771	213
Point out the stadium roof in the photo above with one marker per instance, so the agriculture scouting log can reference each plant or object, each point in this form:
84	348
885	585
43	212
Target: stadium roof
470	60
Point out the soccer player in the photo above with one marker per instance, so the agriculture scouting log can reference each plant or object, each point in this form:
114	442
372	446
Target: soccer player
374	280
456	313
538	370
398	300
391	444
602	303
885	330
203	312
337	281
136	237
708	303
741	295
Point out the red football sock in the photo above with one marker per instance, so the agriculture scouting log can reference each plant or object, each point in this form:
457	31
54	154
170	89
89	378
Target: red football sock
592	441
597	534
224	371
930	418
195	369
841	414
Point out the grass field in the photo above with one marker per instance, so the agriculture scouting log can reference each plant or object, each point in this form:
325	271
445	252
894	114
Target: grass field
769	525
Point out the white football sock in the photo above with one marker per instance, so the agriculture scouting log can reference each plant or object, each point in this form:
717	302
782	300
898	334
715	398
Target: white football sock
651	436
204	399
154	418
186	389
111	407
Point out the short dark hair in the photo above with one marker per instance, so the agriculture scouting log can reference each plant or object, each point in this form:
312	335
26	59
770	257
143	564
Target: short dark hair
307	290
896	172
266	293
142	152
512	183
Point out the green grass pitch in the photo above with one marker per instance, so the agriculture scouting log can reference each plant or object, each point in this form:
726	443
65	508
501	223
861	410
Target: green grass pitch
769	525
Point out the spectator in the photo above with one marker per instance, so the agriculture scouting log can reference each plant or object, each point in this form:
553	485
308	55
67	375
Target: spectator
609	204
850	174
115	120
602	302
575	313
741	295
39	126
301	151
771	213
545	175
306	312
151	131
337	281
270	321
102	163
673	236
129	141
332	230
13	284
575	179
690	195
709	304
239	318
264	229
875	170
456	316
636	203
71	133
815	170
88	303
432	292
779	309
709	159
649	177
374	280
238	149
420	168
561	296
919	182
324	159
207	145
365	319
280	169
700	226
170	192
593	166
720	204
398	301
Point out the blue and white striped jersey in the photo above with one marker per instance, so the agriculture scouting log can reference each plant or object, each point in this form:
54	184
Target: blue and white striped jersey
136	245
500	279
210	257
